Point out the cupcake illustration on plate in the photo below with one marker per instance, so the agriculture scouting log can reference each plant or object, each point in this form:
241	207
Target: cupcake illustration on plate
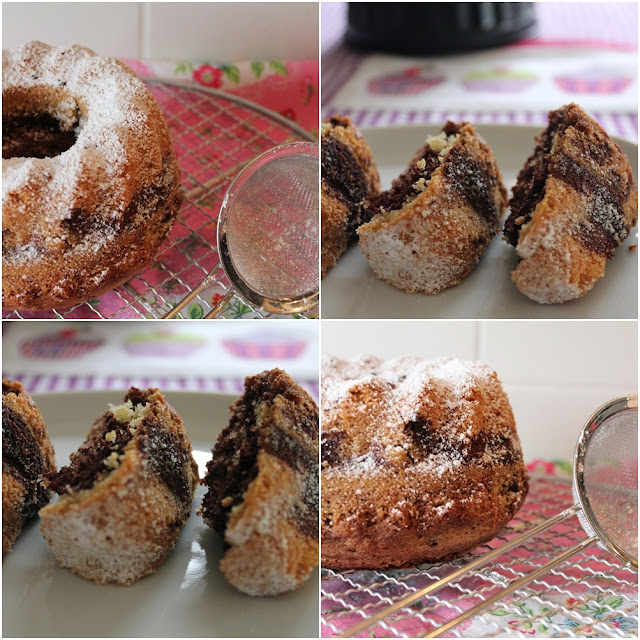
163	344
603	81
409	81
65	344
265	344
499	79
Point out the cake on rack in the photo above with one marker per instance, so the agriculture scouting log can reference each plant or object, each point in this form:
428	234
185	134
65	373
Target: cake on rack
421	461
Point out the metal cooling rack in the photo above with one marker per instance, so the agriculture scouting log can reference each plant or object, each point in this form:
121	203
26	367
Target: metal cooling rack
590	595
214	135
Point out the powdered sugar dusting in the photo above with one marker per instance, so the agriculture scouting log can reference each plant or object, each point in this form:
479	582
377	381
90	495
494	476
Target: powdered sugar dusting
403	391
586	208
96	97
420	460
70	209
437	236
410	376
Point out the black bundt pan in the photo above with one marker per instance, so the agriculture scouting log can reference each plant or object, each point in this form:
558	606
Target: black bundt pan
437	27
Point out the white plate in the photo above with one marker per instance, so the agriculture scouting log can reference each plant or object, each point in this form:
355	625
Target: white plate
186	597
351	290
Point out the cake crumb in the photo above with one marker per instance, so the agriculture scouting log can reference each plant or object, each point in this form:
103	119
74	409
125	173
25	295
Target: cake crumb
420	185
112	461
226	502
110	436
127	413
633	247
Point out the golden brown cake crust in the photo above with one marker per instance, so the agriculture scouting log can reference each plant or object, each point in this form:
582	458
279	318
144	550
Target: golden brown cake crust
80	220
349	176
27	458
119	516
575	201
435	223
420	461
263	487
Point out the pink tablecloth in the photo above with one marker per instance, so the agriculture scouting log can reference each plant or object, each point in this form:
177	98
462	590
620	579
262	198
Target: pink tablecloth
289	88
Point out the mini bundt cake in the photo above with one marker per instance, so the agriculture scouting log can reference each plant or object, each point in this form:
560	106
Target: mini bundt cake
421	461
262	483
90	182
574	202
348	176
27	458
126	495
432	227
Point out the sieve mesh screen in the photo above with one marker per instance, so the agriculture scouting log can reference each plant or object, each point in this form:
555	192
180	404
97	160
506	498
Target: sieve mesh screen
610	482
272	230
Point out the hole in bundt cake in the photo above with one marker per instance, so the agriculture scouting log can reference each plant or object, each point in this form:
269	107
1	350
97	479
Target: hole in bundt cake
34	136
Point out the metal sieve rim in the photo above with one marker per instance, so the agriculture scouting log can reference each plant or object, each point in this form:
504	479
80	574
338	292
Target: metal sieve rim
298	304
589	522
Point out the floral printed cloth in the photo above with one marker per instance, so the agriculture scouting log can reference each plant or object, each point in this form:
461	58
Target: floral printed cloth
289	88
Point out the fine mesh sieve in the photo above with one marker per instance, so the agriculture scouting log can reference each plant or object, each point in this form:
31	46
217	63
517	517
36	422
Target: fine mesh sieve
605	490
268	233
605	478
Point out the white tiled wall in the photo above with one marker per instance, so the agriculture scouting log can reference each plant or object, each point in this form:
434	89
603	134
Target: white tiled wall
170	30
555	373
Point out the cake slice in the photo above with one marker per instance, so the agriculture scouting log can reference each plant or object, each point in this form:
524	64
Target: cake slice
126	494
27	458
262	487
574	202
349	176
432	227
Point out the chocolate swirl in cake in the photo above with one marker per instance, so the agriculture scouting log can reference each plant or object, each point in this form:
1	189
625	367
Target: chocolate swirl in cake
575	201
605	227
349	175
430	229
263	486
108	440
420	460
126	494
22	458
235	458
27	458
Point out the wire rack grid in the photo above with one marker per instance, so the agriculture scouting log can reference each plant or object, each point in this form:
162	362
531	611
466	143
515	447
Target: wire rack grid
590	595
214	135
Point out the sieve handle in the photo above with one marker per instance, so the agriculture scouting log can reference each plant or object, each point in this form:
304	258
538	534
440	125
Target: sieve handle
479	561
193	294
512	587
217	310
